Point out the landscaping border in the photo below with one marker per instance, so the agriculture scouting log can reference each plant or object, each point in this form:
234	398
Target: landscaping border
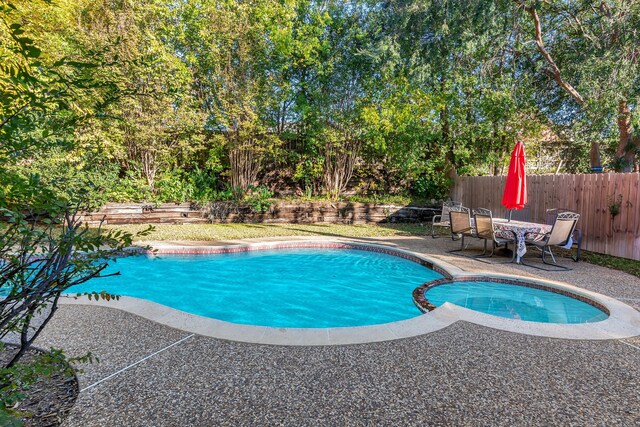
283	212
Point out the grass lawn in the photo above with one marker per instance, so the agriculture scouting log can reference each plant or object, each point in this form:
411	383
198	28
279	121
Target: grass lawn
214	232
623	264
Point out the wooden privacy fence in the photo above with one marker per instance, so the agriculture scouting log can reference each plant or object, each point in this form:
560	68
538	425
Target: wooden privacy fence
591	195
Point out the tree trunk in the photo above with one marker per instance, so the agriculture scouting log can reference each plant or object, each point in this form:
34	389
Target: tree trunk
339	162
625	153
595	156
245	163
445	129
149	167
553	68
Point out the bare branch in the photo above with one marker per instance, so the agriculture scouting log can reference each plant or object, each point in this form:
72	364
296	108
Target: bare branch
555	71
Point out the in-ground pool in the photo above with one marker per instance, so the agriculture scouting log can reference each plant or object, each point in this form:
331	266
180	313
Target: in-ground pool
292	288
514	301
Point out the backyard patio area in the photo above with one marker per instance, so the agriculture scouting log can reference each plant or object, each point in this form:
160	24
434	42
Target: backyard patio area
327	152
464	374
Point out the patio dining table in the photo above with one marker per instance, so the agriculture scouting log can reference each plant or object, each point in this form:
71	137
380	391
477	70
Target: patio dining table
507	229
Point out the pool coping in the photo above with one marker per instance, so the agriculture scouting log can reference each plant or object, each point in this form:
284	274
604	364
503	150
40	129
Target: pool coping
623	320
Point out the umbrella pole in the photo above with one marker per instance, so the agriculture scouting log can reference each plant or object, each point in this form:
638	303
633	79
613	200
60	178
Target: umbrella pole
510	212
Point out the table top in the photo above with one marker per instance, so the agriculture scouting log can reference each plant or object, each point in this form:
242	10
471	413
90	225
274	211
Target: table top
520	228
505	223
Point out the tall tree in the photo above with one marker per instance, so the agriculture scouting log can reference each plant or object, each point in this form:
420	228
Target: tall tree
590	51
228	46
462	57
44	98
157	122
341	91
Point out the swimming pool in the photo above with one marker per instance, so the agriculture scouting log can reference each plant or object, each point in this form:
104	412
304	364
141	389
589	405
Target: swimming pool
285	288
157	303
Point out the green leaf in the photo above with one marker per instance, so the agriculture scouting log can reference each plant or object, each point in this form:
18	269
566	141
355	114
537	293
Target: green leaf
24	41
33	52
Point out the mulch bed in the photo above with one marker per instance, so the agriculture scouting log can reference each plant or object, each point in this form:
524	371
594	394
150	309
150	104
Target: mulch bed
50	399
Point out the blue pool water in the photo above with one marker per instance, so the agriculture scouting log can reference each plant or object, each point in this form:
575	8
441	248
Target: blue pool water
516	302
296	288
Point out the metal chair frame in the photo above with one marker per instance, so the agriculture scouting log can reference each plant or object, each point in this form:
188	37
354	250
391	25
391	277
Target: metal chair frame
563	228
523	214
577	233
485	230
482	211
437	221
460	225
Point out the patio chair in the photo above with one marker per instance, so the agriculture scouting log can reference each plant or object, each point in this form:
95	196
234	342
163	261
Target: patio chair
460	225
442	220
485	230
562	230
481	211
523	214
577	233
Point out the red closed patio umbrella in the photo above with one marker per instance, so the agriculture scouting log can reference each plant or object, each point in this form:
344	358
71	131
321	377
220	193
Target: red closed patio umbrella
515	190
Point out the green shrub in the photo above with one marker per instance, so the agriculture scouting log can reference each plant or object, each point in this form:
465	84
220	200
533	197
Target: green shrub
433	182
71	177
130	188
170	187
258	199
204	183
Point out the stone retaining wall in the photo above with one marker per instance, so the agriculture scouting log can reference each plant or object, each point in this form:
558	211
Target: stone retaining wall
312	212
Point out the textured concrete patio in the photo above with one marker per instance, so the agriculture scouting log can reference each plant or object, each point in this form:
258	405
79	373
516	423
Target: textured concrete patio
464	374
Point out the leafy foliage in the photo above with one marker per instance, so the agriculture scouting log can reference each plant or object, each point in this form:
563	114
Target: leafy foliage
18	379
257	198
44	250
313	97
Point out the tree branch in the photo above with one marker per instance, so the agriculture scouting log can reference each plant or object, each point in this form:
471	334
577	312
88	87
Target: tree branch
555	71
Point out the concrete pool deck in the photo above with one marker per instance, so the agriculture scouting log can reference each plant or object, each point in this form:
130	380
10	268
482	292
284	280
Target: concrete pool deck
462	374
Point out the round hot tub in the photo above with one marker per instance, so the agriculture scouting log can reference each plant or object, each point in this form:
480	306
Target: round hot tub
512	299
